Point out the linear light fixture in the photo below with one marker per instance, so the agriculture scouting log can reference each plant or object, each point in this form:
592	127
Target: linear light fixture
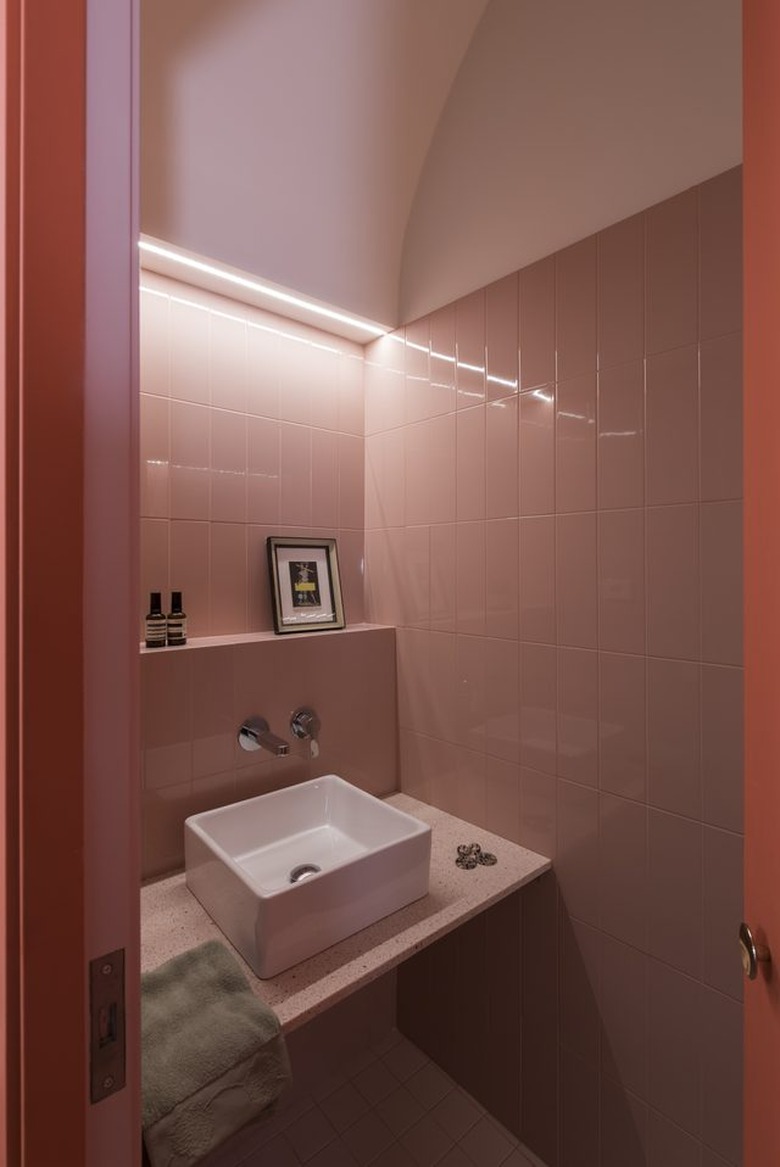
216	277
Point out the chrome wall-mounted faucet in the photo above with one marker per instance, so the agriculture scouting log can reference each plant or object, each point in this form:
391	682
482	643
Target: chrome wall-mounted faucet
305	725
255	734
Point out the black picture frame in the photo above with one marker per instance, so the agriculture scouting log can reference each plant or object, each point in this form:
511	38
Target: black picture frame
305	584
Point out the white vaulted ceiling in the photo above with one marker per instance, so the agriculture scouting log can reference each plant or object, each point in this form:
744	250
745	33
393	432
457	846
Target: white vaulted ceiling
387	156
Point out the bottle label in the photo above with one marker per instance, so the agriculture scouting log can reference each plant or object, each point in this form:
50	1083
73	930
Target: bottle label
177	629
155	633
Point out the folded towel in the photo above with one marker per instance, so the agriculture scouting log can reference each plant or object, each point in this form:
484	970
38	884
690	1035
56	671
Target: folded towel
213	1056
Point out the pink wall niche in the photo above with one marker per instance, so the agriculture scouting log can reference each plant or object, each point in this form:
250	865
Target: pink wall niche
251	426
553	523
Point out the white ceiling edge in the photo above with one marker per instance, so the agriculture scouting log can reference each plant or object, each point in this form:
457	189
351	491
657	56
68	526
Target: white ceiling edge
565	118
199	271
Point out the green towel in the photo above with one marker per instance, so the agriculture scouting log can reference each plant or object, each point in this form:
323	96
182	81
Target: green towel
213	1056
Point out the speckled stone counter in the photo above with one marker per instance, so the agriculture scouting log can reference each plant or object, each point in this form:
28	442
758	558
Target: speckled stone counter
172	920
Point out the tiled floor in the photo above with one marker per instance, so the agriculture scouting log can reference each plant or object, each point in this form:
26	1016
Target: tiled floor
390	1107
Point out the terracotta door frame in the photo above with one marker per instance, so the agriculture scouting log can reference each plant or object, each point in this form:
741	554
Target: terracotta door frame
762	570
70	808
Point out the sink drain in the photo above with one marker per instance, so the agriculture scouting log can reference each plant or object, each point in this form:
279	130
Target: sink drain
303	871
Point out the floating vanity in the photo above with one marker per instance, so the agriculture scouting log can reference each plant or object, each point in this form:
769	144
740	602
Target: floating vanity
172	920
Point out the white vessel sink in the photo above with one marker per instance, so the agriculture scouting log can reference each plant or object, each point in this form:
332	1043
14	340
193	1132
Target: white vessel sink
288	874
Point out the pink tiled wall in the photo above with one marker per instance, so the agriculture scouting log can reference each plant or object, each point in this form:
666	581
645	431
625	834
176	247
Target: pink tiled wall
553	522
194	699
250	426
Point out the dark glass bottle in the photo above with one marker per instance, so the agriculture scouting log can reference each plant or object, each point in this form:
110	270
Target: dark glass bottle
156	624
177	621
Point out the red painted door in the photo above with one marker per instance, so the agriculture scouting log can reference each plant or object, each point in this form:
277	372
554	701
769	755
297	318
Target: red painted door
762	572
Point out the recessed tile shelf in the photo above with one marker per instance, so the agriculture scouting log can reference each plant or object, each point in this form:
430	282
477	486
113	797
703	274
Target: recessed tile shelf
254	637
172	920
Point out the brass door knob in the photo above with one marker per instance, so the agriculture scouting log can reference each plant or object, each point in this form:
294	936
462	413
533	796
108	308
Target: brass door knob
752	954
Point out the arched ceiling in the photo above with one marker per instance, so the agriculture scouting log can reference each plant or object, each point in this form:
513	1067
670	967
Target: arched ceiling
386	156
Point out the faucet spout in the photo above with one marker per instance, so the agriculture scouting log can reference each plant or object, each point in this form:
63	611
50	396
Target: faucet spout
255	734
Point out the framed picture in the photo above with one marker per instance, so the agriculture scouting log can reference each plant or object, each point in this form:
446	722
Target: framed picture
305	584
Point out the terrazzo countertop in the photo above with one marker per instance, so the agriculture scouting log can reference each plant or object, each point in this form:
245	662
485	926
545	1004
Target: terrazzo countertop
172	920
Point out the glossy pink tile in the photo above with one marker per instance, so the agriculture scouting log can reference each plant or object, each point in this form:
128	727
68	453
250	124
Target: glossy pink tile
470	578
502	699
623	869
228	362
538	707
324	371
164	810
622	725
295	501
471	706
155	440
501	458
621	292
722	1080
578	715
675	892
722	746
384	383
537	324
469	802
189	350
297	363
501	336
228	467
351	412
470	348
259	618
351	552
190	461
213	734
263	470
502	565
575	444
579	989
417	370
575	302
621	437
720	217
673	736
351	476
228	583
721	582
385	479
622	581
443	572
430	471
674	1047
502	798
537	452
673	582
166	699
537	579
671	306
722	910
721	418
427	683
673	426
443	395
576	580
578	851
325	479
470	463
154	343
154	563
263	348
538	811
189	572
623	1010
669	1146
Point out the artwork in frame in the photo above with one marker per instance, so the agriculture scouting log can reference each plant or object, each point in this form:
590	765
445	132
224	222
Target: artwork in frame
305	584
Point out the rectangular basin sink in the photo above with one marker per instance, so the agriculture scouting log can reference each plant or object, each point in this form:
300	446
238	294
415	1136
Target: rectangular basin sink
287	874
